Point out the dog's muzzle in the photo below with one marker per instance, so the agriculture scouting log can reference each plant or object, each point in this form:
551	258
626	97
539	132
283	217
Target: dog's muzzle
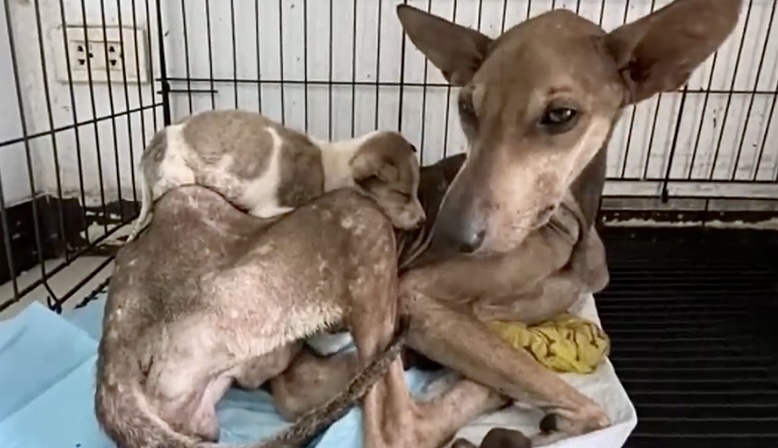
451	233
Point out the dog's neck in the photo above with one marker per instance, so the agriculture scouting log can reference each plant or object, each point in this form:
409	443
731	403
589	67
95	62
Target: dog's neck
336	159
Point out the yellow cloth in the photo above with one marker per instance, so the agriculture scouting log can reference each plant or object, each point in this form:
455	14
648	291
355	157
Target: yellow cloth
566	344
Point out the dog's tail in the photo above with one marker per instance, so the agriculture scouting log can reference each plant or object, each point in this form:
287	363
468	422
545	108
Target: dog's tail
126	416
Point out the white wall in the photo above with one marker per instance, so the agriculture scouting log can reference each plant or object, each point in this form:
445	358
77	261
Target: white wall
424	111
108	141
13	166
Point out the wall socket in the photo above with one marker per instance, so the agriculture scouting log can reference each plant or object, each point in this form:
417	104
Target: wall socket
99	51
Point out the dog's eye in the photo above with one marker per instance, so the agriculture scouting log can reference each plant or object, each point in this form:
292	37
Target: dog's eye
558	119
466	109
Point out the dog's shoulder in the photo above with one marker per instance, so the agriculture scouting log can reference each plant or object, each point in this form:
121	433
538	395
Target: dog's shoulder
341	218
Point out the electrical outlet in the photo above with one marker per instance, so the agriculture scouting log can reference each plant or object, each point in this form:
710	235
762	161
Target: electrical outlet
114	51
95	52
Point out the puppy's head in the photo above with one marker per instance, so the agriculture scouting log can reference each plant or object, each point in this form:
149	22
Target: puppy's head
385	168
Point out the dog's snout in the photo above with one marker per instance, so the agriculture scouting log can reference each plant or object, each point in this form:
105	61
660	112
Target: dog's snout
450	236
472	242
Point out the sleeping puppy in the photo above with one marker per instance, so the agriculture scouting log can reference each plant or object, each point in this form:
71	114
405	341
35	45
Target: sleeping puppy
267	170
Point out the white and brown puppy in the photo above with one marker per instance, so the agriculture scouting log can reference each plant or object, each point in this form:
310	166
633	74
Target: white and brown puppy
267	169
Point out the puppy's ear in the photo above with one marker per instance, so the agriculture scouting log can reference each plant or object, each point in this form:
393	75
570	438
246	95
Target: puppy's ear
370	166
659	52
456	50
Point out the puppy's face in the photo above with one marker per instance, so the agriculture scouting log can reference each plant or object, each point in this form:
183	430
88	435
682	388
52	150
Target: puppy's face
385	168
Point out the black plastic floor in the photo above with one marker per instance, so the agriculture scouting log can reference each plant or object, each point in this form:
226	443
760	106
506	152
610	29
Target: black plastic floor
693	318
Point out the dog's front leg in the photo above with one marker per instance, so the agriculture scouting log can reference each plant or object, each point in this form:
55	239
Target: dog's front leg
461	278
460	341
440	417
548	298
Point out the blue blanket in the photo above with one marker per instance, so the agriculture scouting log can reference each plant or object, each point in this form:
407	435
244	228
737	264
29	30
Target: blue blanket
47	374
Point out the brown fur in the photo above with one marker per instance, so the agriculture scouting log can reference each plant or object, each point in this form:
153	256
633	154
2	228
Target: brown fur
208	291
267	170
514	236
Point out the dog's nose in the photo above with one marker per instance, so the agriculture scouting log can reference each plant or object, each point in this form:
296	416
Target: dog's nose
451	238
472	242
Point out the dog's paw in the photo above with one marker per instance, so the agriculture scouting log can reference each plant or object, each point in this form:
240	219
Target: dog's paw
554	427
581	423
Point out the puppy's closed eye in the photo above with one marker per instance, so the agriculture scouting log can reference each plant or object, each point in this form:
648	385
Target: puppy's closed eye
369	182
401	196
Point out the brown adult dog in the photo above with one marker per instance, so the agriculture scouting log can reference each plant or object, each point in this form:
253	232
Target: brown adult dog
209	295
538	106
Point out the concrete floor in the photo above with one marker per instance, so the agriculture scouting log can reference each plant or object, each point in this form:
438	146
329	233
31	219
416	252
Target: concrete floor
60	283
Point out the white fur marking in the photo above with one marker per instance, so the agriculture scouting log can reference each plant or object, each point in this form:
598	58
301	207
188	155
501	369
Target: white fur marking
174	169
336	158
260	196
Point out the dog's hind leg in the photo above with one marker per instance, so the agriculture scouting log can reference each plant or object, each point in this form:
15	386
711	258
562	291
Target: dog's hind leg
437	419
310	381
385	409
372	319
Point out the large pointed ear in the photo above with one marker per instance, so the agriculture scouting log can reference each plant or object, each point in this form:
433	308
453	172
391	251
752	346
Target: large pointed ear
456	50
659	52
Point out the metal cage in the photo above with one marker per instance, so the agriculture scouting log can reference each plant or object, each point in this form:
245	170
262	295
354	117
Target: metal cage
86	84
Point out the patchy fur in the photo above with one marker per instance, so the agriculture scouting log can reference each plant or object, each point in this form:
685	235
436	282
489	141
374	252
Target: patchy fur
209	291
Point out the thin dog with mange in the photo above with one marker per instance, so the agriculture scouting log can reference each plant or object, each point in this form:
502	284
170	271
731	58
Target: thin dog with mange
210	293
267	169
514	238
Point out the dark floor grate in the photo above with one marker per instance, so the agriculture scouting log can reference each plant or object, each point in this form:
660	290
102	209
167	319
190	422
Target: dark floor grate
692	316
